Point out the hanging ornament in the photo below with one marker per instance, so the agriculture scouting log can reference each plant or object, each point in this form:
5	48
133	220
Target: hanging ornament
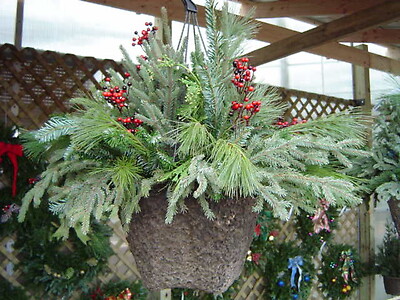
8	210
124	295
294	264
348	272
320	219
272	235
255	257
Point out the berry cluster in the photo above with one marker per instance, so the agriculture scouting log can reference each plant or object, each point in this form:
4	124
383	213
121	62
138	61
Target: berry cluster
144	34
243	76
116	96
130	122
294	121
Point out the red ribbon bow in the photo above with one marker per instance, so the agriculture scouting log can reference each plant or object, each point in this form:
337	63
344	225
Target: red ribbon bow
12	151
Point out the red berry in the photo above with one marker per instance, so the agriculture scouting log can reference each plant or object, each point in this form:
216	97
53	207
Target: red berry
107	79
250	88
246	117
126	74
248	73
237	76
234	102
241	85
240	105
257	109
155	28
119	119
254	69
147	23
246	99
235	106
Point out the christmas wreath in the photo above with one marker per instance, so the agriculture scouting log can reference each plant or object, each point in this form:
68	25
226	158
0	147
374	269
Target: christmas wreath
341	271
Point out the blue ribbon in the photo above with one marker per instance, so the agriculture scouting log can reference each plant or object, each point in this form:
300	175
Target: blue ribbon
294	264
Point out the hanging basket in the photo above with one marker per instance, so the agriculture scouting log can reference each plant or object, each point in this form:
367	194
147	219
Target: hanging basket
392	285
192	252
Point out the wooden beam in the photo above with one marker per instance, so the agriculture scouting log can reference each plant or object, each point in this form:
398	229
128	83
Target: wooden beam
375	15
296	8
19	24
175	8
267	33
374	35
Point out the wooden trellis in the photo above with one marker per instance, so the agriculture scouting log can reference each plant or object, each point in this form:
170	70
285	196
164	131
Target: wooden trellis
35	84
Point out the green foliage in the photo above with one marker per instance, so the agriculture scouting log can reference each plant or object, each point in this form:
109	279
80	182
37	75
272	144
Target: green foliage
10	292
383	167
388	256
48	265
332	272
113	289
189	141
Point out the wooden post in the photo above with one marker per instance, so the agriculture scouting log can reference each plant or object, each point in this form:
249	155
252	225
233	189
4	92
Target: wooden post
19	24
361	90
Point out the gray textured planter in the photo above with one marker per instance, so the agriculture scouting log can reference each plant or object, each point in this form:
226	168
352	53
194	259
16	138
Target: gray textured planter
192	252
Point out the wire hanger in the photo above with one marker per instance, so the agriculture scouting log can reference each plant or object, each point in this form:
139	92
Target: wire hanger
190	20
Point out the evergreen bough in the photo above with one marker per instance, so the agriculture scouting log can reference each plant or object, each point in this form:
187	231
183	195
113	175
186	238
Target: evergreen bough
189	142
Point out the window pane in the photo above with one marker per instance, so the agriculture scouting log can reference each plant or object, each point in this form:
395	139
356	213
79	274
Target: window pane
81	28
8	10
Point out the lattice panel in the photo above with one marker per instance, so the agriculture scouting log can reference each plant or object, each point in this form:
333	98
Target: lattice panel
310	106
35	84
251	288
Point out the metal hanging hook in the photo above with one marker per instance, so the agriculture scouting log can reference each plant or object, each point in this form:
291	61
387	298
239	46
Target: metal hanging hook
190	20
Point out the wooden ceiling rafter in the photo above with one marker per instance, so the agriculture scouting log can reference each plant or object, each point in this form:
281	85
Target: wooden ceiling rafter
267	33
376	35
298	8
361	20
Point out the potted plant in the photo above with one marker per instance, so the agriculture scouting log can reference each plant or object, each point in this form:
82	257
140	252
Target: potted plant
382	168
388	261
189	162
